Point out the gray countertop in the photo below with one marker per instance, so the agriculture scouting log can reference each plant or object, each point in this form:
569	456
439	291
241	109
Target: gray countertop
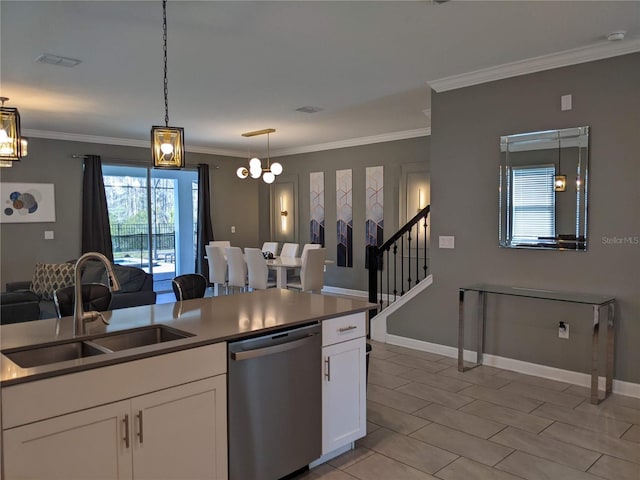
210	320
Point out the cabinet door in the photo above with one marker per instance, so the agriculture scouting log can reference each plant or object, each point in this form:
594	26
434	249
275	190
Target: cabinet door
344	412
85	445
181	432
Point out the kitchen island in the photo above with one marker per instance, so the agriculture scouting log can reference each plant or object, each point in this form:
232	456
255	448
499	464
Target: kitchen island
115	415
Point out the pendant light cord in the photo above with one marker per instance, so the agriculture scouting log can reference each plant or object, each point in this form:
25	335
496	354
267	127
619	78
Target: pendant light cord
166	82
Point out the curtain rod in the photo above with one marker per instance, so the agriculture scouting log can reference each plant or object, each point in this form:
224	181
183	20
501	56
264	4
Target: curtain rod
126	161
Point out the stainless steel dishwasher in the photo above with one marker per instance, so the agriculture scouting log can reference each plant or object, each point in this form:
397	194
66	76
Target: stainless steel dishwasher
275	403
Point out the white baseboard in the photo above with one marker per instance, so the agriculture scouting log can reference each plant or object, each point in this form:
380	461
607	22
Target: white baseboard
552	373
345	291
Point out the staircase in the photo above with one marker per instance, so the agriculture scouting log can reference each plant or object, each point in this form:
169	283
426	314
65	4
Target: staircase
397	271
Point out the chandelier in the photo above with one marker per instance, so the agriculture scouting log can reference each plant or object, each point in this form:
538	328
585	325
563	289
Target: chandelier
167	143
11	143
255	169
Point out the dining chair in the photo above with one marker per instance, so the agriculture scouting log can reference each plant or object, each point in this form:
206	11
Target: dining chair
188	286
289	250
217	268
307	247
237	268
312	272
258	270
271	247
95	297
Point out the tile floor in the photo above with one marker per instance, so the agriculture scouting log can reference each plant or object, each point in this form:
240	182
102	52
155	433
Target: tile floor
428	421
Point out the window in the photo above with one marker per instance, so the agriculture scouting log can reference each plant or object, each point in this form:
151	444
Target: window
153	215
534	203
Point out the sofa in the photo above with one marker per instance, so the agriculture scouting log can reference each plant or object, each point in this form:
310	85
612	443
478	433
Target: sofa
21	298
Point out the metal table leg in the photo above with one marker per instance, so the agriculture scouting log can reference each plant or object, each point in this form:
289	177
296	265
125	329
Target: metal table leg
461	331
610	342
594	354
482	303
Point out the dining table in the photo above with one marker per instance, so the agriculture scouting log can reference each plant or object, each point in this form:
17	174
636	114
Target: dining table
282	264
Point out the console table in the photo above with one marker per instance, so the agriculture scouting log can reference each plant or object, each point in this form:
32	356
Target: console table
596	302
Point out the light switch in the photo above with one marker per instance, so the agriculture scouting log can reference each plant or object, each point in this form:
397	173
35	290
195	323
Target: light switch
565	102
48	234
446	241
233	229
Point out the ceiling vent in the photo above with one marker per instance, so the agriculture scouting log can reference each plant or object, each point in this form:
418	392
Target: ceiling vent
51	59
309	109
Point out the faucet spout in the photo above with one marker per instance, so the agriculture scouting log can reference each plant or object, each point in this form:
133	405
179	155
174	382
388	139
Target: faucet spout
80	317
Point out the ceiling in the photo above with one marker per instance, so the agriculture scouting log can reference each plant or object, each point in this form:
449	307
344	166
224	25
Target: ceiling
239	66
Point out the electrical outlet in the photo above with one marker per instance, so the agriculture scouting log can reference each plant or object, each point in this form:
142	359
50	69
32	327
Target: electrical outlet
563	330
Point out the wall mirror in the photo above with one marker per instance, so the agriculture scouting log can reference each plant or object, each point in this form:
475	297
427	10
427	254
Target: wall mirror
543	189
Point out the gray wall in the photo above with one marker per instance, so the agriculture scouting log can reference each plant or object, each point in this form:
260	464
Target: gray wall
391	155
233	201
467	125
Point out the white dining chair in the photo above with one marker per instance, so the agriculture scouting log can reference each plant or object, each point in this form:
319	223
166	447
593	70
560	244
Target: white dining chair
312	272
289	250
307	247
217	268
271	247
237	268
258	270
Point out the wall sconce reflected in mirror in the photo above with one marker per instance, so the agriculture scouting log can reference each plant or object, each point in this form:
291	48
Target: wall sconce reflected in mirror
560	183
421	204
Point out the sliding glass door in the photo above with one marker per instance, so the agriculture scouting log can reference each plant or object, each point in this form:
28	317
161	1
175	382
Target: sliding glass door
153	219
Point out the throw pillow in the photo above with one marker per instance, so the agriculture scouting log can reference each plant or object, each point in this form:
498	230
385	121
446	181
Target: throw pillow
48	277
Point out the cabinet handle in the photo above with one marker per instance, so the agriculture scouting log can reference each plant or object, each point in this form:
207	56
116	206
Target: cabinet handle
327	374
125	422
346	329
140	434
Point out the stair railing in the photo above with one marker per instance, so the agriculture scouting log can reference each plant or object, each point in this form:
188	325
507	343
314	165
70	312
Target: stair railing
396	266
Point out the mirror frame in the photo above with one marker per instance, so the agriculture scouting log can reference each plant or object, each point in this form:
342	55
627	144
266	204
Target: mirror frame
537	142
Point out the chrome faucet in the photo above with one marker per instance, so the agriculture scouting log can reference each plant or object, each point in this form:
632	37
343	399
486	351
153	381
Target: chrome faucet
80	317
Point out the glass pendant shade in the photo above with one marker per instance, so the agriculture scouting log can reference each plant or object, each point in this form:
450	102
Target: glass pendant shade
255	171
268	177
167	144
242	172
276	168
255	163
10	145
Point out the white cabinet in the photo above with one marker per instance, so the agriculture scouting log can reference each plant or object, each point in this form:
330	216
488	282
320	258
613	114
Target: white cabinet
344	412
144	419
85	445
177	433
181	433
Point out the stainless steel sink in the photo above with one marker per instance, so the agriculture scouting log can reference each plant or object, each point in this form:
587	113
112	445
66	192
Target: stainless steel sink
35	356
139	337
45	354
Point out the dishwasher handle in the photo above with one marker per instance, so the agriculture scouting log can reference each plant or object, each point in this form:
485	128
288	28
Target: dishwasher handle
261	352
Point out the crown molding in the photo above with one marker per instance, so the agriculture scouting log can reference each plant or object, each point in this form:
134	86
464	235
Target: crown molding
355	142
125	142
536	64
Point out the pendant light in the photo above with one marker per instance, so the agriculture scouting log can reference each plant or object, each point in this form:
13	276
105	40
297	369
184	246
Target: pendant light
255	169
559	181
10	140
167	143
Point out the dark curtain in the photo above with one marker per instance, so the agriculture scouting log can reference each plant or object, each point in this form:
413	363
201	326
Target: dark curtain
96	232
204	227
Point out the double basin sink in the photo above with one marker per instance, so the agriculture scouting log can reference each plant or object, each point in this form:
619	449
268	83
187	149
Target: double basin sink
46	354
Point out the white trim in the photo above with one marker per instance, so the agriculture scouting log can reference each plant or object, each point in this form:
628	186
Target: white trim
536	64
333	454
127	142
345	291
379	322
543	371
354	142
